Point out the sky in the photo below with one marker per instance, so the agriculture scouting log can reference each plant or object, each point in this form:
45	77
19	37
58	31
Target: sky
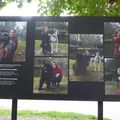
28	9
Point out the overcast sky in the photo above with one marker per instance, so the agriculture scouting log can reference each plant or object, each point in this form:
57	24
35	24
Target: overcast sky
28	9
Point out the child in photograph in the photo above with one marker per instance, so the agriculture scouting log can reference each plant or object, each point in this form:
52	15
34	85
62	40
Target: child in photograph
45	41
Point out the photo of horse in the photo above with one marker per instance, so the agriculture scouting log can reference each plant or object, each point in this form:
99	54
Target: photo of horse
51	39
86	57
50	75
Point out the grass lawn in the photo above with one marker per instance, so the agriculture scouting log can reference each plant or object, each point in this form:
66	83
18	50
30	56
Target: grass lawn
50	115
20	51
111	88
63	85
62	49
21	45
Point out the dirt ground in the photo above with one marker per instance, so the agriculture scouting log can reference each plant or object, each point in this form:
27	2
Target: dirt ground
88	76
111	89
62	90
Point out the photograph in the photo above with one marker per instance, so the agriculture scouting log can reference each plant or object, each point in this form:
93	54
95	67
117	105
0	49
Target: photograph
112	76
112	39
51	39
12	41
86	57
50	75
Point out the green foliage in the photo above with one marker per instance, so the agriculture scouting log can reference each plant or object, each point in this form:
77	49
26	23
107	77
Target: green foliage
79	7
3	4
75	7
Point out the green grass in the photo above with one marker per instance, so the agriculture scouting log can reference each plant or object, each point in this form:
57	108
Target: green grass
20	51
4	112
61	46
37	44
90	75
21	45
54	115
63	84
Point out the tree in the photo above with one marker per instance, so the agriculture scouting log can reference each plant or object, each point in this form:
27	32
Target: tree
80	7
77	7
3	3
6	26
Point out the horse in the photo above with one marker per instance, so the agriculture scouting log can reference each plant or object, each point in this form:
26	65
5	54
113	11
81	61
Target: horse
96	60
54	41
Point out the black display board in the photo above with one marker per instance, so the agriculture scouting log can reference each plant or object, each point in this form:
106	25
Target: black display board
84	51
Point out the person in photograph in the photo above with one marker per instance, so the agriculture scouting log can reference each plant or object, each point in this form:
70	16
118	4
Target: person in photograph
82	61
9	45
50	73
116	40
117	50
57	74
85	61
45	41
118	83
116	36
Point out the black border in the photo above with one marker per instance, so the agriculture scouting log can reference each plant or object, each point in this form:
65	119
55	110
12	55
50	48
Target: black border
95	91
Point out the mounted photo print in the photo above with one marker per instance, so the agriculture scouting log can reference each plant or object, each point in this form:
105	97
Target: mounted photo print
50	75
51	39
86	57
112	39
60	58
112	76
12	41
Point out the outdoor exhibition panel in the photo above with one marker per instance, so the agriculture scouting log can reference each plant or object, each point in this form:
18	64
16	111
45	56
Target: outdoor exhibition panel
60	58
